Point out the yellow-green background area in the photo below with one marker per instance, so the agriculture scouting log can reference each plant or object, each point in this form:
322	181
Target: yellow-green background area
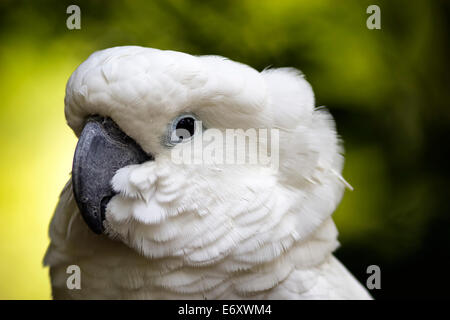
387	89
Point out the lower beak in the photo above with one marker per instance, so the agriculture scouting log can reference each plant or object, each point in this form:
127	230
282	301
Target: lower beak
102	149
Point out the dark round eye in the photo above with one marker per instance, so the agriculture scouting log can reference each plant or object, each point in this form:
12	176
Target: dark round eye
182	128
185	127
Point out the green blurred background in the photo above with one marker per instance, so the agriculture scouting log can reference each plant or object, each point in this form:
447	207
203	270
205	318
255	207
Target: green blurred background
387	89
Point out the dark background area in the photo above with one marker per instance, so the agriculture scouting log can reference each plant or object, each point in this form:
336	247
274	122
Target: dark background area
388	90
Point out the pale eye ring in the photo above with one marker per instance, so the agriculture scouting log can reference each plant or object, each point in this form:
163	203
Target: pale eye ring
183	128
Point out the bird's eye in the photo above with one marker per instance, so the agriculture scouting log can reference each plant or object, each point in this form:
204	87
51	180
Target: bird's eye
183	128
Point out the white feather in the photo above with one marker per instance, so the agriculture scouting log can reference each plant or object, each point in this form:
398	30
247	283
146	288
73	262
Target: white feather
205	231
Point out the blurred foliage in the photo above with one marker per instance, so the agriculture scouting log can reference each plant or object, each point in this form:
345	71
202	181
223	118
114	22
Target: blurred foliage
387	89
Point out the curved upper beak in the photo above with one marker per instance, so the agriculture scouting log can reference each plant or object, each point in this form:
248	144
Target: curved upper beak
102	149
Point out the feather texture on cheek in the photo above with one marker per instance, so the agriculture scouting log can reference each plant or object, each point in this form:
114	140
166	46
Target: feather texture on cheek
204	216
166	210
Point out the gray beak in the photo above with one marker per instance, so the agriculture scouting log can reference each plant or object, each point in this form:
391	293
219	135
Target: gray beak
102	149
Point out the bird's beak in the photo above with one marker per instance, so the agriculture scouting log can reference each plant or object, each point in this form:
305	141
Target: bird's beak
102	149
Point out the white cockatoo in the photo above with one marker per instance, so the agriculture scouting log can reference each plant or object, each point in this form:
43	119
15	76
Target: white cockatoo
141	226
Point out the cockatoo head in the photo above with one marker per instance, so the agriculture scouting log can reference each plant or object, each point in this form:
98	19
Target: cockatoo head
126	105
